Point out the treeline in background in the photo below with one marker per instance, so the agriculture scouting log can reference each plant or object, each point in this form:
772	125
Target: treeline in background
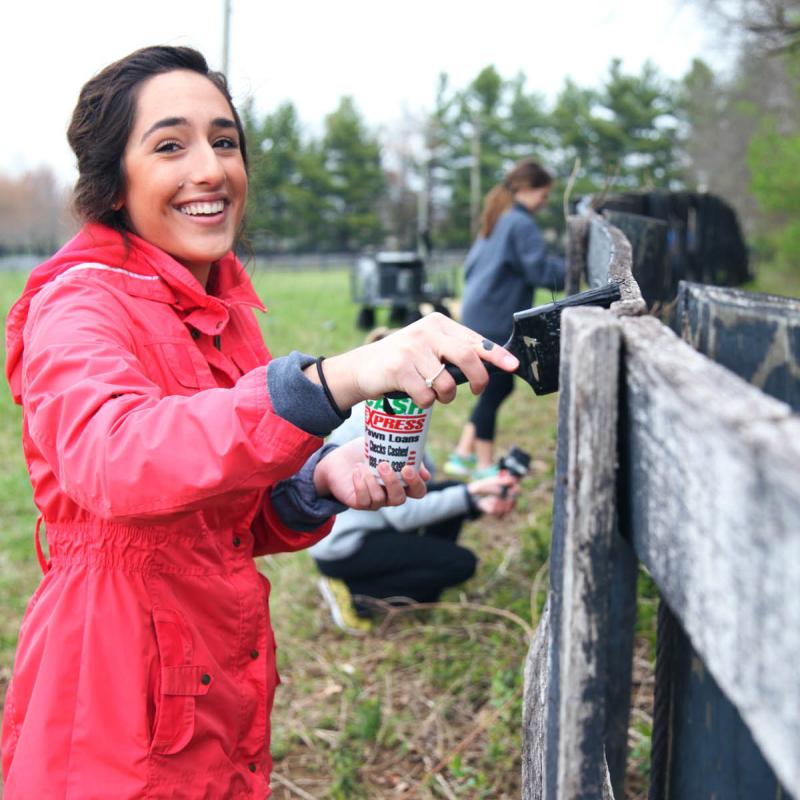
349	187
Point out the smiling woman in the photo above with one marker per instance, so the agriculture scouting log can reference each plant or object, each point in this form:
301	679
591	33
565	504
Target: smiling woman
166	448
185	178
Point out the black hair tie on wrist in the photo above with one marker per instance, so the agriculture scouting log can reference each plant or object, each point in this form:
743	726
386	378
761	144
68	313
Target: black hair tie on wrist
325	387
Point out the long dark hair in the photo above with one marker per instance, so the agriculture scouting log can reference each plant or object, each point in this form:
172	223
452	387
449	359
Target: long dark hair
527	174
103	118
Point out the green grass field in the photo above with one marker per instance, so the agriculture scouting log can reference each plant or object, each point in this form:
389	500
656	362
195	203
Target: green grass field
428	706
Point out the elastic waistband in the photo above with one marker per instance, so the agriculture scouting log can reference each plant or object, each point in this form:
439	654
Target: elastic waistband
152	548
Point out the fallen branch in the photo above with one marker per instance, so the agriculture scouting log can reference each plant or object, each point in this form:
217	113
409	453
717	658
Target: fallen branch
292	787
393	610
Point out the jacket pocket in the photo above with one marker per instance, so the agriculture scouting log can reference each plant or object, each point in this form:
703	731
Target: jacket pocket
177	365
181	682
179	362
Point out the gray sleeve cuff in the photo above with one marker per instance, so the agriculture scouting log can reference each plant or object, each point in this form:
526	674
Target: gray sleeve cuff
299	400
296	501
474	509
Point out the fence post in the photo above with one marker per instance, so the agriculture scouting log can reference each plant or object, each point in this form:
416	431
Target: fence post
572	721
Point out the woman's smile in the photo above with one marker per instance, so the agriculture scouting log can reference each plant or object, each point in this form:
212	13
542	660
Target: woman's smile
203	209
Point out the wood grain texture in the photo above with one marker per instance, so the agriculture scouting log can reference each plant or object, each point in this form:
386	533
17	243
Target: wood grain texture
577	238
609	258
756	336
566	678
715	514
534	710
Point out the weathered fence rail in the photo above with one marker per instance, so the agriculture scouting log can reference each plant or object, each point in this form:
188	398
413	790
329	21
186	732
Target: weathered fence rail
667	458
757	336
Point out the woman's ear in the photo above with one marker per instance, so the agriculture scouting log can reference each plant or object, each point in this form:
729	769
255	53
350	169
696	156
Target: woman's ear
117	204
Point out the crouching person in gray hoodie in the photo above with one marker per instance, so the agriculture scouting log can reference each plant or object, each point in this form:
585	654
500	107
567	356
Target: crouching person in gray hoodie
402	553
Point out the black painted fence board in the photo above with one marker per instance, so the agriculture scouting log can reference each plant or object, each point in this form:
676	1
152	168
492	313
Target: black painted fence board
715	504
756	336
708	494
751	335
569	722
648	239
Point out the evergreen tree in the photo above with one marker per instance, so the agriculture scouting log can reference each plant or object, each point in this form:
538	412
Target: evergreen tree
356	182
288	184
493	123
640	135
625	132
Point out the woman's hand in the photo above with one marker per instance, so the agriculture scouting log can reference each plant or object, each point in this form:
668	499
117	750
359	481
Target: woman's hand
496	506
496	495
504	483
405	359
344	474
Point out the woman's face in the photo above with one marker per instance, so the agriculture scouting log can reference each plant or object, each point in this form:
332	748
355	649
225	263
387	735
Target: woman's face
185	180
532	199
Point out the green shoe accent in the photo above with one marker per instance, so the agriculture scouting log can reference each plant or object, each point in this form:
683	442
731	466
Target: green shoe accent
486	472
459	467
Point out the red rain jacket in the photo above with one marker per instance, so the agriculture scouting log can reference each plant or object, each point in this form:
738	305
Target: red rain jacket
146	660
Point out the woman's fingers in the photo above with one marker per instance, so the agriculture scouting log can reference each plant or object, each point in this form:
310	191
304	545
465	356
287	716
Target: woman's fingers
466	349
371	495
361	491
392	485
415	484
410	360
380	493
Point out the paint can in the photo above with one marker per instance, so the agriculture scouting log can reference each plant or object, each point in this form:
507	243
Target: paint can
395	432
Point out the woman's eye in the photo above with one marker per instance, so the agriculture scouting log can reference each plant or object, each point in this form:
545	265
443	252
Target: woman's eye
167	147
226	143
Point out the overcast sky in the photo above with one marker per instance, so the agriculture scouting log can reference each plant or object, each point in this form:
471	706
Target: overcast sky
387	55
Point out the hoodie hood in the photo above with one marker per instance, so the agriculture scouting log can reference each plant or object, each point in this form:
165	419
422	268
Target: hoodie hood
101	246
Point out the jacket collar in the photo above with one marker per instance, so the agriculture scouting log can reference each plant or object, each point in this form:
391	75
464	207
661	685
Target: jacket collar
142	270
135	259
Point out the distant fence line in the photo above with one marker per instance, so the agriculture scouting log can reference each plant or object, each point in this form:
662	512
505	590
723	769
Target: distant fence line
329	261
20	263
276	262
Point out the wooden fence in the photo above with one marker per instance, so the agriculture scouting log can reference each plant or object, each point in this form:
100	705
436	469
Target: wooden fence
667	458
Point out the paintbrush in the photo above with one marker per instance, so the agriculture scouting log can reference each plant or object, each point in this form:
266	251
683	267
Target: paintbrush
536	339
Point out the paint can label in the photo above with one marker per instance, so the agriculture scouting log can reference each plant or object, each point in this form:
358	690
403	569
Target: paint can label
397	438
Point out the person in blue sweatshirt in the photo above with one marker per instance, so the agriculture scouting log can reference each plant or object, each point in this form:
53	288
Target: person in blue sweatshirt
505	264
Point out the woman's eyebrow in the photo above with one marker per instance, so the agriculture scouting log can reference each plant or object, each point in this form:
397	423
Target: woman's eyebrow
171	122
167	122
222	122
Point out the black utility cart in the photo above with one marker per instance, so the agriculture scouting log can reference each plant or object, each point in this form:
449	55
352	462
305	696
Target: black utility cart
402	282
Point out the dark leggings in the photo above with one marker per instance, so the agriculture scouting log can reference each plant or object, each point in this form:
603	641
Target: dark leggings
391	563
484	415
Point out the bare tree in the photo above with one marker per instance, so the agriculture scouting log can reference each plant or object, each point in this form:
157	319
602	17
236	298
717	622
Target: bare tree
773	24
33	212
